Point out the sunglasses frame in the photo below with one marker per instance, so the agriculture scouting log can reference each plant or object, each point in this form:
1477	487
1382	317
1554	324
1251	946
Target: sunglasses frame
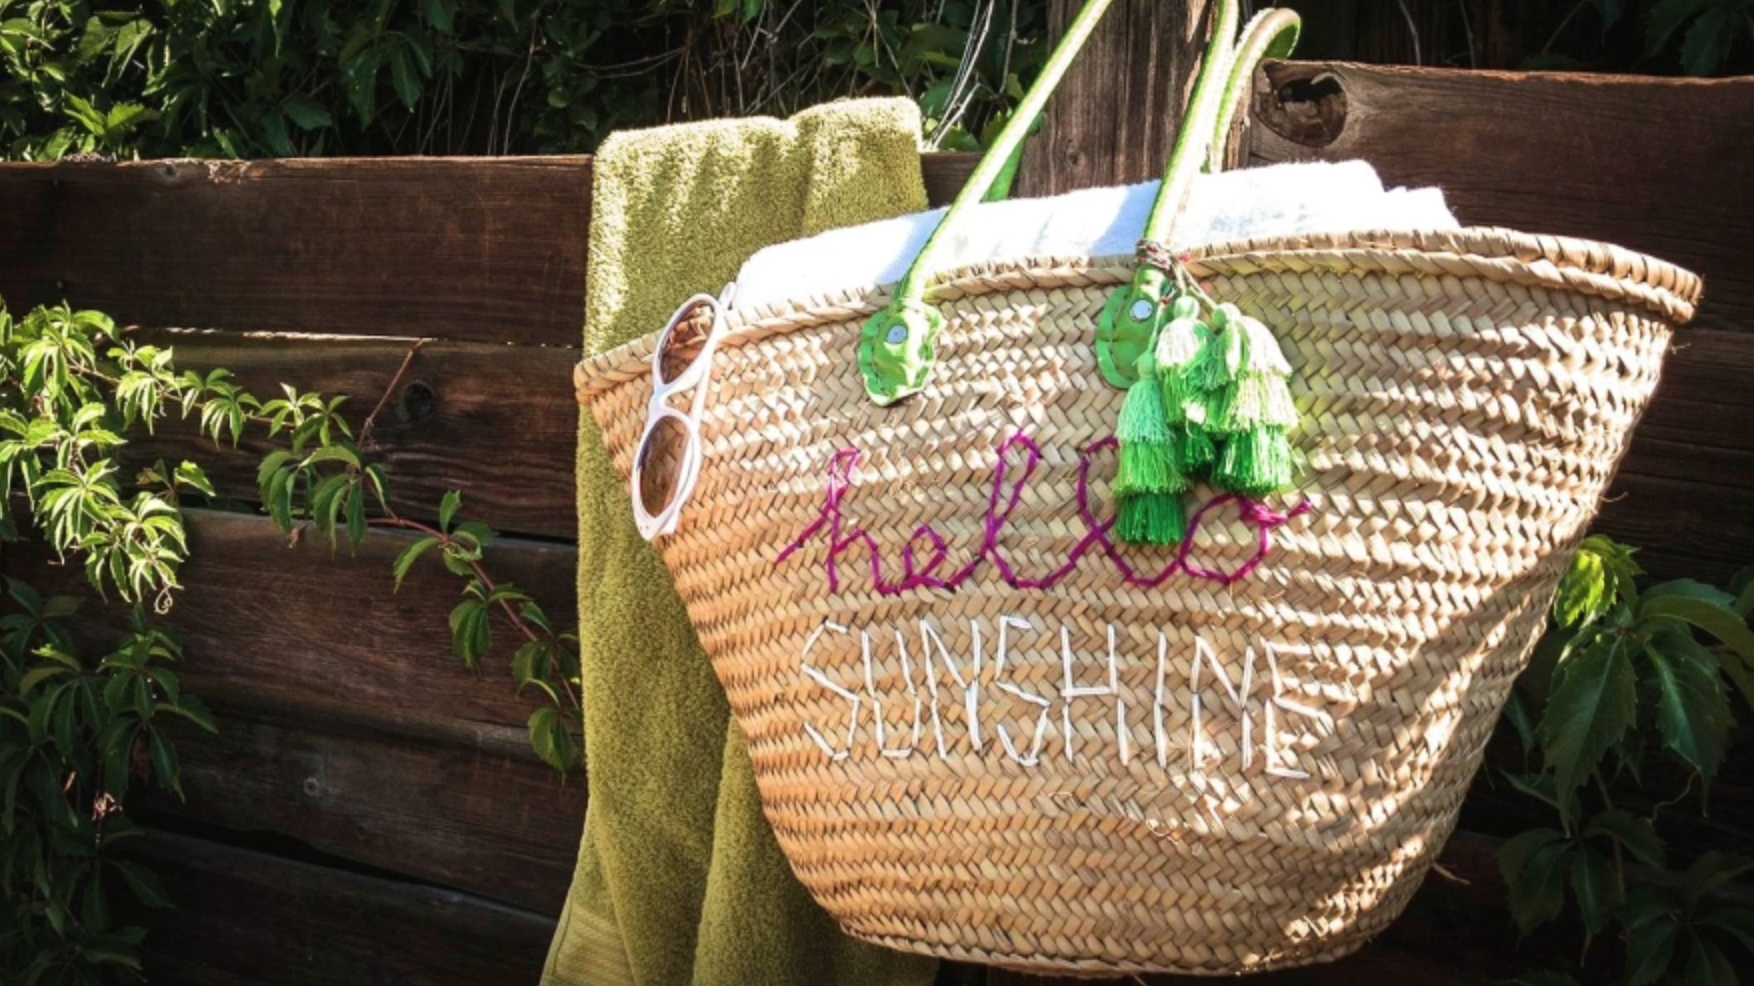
696	375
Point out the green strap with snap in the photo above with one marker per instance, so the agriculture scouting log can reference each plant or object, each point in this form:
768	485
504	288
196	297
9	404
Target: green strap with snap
896	346
1135	311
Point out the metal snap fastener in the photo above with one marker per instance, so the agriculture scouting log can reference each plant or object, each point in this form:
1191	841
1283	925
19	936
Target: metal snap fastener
897	334
1142	309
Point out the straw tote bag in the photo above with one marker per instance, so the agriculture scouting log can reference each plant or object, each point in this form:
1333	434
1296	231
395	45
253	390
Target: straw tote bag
984	730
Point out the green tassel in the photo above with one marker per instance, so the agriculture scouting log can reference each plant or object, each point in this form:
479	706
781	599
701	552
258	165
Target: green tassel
1151	518
1184	351
1254	400
1148	467
1149	443
1143	415
1197	451
1258	393
1148	479
1256	462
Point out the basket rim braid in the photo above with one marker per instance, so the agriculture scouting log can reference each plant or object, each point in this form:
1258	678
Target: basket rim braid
1500	255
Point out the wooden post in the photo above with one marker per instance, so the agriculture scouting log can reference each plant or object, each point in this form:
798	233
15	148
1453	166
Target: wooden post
1114	118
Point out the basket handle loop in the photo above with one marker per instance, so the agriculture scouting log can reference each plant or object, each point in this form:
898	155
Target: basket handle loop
896	351
1136	311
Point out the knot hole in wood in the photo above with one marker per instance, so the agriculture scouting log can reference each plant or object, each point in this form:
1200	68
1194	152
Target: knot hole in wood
1302	103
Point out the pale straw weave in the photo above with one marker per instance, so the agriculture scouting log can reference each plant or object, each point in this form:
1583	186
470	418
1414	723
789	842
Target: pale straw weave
1466	397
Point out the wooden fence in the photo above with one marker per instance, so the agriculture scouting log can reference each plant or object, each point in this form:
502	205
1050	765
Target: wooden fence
370	811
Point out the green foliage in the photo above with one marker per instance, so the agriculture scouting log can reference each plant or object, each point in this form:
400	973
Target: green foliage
279	78
1621	672
1708	31
74	732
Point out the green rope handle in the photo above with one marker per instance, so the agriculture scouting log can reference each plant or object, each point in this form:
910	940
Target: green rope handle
896	351
1135	312
1273	33
896	346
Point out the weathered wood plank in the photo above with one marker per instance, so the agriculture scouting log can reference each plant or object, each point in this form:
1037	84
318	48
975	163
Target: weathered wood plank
249	919
1114	118
457	804
483	249
498	423
299	620
1662	166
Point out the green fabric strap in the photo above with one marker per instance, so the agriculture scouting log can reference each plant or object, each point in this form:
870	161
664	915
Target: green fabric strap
896	346
1135	312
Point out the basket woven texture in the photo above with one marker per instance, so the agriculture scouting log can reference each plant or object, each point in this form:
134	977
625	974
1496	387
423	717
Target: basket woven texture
1466	397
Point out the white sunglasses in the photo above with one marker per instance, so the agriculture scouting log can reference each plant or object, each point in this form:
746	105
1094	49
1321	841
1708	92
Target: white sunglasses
657	510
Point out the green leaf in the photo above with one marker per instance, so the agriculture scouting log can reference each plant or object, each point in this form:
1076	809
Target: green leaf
1536	785
1634	834
1735	924
271	464
448	509
411	554
404	77
1709	872
1533	867
1706	965
1597	887
1693	714
143	884
1581	592
1520	712
189	474
1719	621
1741	674
192	709
164	762
1666	18
356	517
1593	703
470	632
1650	948
1742	587
333	453
306	113
441	14
1692	589
1709	40
37	676
552	741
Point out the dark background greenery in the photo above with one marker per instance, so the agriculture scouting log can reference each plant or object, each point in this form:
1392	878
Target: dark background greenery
261	78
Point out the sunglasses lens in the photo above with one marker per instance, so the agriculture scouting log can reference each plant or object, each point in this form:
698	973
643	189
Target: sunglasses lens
682	344
660	464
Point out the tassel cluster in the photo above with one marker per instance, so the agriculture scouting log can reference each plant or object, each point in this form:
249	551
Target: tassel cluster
1213	400
1150	481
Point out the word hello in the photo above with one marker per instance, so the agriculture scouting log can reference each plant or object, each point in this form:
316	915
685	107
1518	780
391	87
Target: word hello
949	681
925	556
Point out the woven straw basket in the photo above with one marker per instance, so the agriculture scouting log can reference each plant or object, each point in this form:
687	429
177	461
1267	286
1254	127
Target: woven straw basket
983	731
1468	396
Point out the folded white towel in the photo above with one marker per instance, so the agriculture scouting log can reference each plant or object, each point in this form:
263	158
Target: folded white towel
1280	200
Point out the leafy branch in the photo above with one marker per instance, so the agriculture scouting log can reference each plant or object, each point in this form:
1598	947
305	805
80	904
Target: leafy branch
1618	673
75	733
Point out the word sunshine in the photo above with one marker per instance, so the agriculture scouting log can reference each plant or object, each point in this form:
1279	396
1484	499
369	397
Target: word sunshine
948	705
1002	502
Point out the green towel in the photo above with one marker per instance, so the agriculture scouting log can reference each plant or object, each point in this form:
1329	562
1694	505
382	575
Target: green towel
680	879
